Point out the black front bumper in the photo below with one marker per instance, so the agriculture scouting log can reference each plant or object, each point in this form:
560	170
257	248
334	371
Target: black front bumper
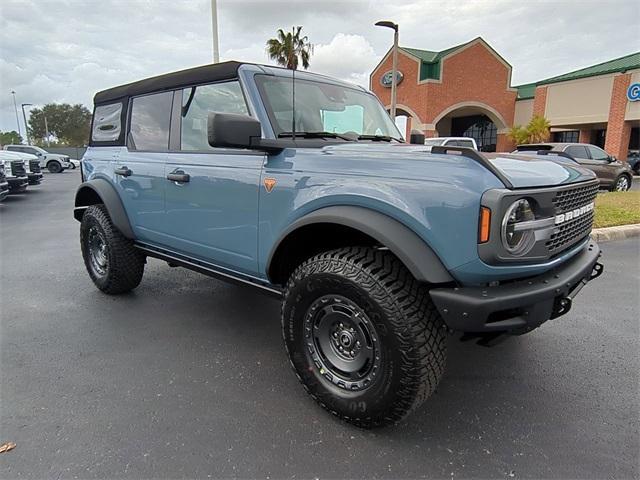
18	184
34	178
519	306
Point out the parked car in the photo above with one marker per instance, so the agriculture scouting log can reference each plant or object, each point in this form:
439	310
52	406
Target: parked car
451	142
633	159
74	163
376	247
4	184
15	172
31	165
613	175
53	162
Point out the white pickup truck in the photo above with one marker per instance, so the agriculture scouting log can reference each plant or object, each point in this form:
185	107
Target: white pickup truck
451	142
54	162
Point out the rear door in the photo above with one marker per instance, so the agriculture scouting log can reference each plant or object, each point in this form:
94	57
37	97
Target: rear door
138	172
212	214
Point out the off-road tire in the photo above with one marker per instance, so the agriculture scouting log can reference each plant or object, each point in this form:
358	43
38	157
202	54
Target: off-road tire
54	167
124	263
410	332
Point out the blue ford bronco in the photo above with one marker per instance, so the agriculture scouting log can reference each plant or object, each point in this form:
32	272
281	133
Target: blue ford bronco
301	185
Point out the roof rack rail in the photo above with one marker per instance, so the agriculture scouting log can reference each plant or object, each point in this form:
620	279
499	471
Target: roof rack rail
473	155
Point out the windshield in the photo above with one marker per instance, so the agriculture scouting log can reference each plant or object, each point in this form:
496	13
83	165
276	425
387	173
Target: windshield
434	141
324	108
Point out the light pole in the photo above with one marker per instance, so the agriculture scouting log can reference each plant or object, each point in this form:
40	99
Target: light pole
394	69
15	106
214	27
46	128
24	116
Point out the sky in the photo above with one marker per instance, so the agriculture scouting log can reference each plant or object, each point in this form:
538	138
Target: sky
66	51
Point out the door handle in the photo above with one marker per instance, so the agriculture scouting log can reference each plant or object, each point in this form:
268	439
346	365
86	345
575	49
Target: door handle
124	171
180	177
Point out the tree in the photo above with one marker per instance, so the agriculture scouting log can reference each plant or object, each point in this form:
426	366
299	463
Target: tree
288	49
10	138
70	124
536	131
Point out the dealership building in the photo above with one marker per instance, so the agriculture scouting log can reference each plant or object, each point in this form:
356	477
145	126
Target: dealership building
466	91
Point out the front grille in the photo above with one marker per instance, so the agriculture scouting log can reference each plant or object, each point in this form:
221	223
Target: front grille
34	166
572	231
17	168
570	199
2	175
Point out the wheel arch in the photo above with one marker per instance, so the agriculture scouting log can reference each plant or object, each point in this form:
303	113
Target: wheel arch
98	191
339	226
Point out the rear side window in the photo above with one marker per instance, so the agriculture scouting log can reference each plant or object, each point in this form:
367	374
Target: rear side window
198	102
577	151
107	123
150	119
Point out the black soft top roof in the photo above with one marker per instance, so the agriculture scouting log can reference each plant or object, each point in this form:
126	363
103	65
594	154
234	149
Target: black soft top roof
204	74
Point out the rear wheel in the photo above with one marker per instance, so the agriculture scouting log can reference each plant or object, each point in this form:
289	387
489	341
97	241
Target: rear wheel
113	263
621	184
54	167
362	335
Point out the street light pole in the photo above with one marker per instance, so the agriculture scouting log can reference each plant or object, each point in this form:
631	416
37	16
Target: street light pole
394	69
15	106
214	28
46	128
24	116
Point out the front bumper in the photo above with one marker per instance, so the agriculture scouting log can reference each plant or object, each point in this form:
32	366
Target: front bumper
518	306
18	184
34	178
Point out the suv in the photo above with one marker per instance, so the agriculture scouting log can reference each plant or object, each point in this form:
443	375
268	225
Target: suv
53	162
31	165
467	142
376	247
15	172
613	175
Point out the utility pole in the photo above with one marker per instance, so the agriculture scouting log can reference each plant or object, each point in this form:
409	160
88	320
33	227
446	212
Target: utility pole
15	106
214	28
24	116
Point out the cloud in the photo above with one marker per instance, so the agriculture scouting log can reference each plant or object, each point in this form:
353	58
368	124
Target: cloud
65	51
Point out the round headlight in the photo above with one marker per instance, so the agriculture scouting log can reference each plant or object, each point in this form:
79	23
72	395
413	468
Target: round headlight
516	239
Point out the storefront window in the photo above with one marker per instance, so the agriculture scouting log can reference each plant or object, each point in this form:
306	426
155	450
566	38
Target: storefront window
566	137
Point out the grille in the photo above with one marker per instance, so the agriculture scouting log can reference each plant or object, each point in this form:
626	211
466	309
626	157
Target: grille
34	166
18	170
574	198
2	175
572	231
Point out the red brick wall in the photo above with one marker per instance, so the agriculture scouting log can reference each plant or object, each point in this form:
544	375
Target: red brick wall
618	131
505	144
540	101
585	136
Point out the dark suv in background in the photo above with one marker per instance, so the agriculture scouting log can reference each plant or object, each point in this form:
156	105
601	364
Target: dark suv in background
613	174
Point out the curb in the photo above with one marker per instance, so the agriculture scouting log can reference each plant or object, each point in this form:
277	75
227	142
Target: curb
615	233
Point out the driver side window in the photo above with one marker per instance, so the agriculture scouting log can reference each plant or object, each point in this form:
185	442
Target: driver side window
598	154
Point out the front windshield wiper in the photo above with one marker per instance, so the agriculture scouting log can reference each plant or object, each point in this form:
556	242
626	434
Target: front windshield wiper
316	135
378	138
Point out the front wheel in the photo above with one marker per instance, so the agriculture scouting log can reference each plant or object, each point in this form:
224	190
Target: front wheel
362	335
54	167
113	263
621	184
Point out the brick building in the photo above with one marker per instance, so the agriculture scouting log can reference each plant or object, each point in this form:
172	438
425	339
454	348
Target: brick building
466	91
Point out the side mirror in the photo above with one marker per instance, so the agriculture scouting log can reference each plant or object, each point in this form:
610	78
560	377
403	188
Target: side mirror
612	159
232	130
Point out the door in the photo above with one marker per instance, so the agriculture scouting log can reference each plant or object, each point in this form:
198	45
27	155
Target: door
581	155
138	172
212	193
602	165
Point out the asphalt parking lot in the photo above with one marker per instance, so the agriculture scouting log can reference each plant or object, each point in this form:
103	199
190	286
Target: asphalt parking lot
187	377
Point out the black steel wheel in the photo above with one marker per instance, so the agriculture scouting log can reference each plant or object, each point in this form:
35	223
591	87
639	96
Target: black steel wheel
54	167
362	335
113	263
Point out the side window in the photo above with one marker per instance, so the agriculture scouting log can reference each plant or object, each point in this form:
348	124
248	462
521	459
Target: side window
198	102
150	119
106	123
465	143
577	151
598	154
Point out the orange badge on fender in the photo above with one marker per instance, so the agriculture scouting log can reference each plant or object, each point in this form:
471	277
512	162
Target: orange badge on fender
269	183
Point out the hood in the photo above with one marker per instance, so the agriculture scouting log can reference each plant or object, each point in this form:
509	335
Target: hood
523	171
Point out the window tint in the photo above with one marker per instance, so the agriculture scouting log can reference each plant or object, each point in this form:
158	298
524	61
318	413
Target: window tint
150	118
198	102
598	154
577	151
106	123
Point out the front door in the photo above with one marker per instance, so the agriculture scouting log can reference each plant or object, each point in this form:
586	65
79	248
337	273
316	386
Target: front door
212	193
581	155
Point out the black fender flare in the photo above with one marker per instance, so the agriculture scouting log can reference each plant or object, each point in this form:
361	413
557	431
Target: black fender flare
86	195
403	242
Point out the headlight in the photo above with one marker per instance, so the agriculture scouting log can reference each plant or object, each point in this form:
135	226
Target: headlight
517	237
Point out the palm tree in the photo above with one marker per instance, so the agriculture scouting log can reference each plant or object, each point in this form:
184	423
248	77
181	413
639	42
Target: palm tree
290	48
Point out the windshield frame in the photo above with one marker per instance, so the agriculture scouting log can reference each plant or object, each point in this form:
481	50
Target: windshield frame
259	80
